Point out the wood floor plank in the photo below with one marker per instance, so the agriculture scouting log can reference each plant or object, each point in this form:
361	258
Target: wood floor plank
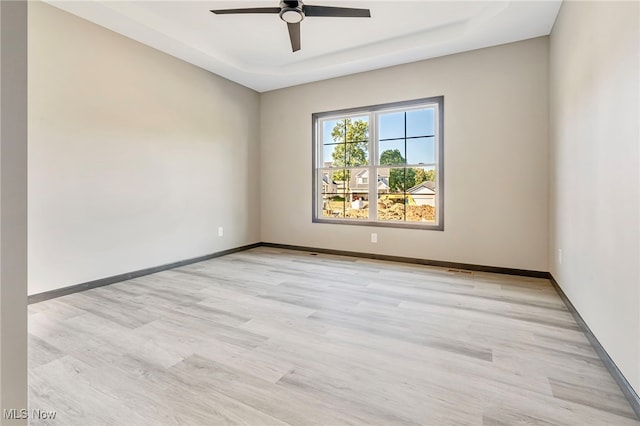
276	337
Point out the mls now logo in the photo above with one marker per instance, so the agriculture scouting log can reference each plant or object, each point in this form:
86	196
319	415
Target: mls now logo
16	414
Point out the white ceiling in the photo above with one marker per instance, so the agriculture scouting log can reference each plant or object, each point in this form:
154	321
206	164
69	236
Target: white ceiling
254	50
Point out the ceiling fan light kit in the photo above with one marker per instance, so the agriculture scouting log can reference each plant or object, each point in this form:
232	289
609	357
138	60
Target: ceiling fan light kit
293	12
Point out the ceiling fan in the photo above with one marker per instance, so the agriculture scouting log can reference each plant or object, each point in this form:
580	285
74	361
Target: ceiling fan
293	12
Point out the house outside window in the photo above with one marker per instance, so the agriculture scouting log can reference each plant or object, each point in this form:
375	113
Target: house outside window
380	165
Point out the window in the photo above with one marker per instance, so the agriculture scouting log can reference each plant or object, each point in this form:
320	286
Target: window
380	165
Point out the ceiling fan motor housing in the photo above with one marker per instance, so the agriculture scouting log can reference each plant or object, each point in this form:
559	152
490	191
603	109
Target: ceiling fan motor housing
291	11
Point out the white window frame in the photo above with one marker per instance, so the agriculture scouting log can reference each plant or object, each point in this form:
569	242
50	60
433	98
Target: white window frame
373	112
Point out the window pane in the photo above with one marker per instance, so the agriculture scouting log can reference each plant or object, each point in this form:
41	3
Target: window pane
391	152
421	151
391	125
333	192
358	196
391	196
327	130
329	154
421	197
420	122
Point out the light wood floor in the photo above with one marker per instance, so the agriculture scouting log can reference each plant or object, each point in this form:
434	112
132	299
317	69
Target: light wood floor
276	337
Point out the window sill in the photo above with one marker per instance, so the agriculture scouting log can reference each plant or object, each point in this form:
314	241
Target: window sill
381	224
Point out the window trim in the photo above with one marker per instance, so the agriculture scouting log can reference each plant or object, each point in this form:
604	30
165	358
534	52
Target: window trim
372	110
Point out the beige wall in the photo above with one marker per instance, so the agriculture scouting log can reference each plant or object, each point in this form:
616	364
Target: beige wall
135	157
496	157
595	188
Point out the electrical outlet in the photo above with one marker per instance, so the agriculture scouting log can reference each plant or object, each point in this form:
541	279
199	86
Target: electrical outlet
374	237
220	231
559	256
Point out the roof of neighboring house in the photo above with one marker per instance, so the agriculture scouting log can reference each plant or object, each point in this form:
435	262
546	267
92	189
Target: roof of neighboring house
383	182
427	187
325	179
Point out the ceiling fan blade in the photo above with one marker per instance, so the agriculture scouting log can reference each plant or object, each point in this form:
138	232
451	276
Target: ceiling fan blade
336	12
249	10
294	35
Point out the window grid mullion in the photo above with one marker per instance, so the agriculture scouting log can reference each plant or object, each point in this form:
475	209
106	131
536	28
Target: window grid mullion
319	133
404	186
408	137
373	170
